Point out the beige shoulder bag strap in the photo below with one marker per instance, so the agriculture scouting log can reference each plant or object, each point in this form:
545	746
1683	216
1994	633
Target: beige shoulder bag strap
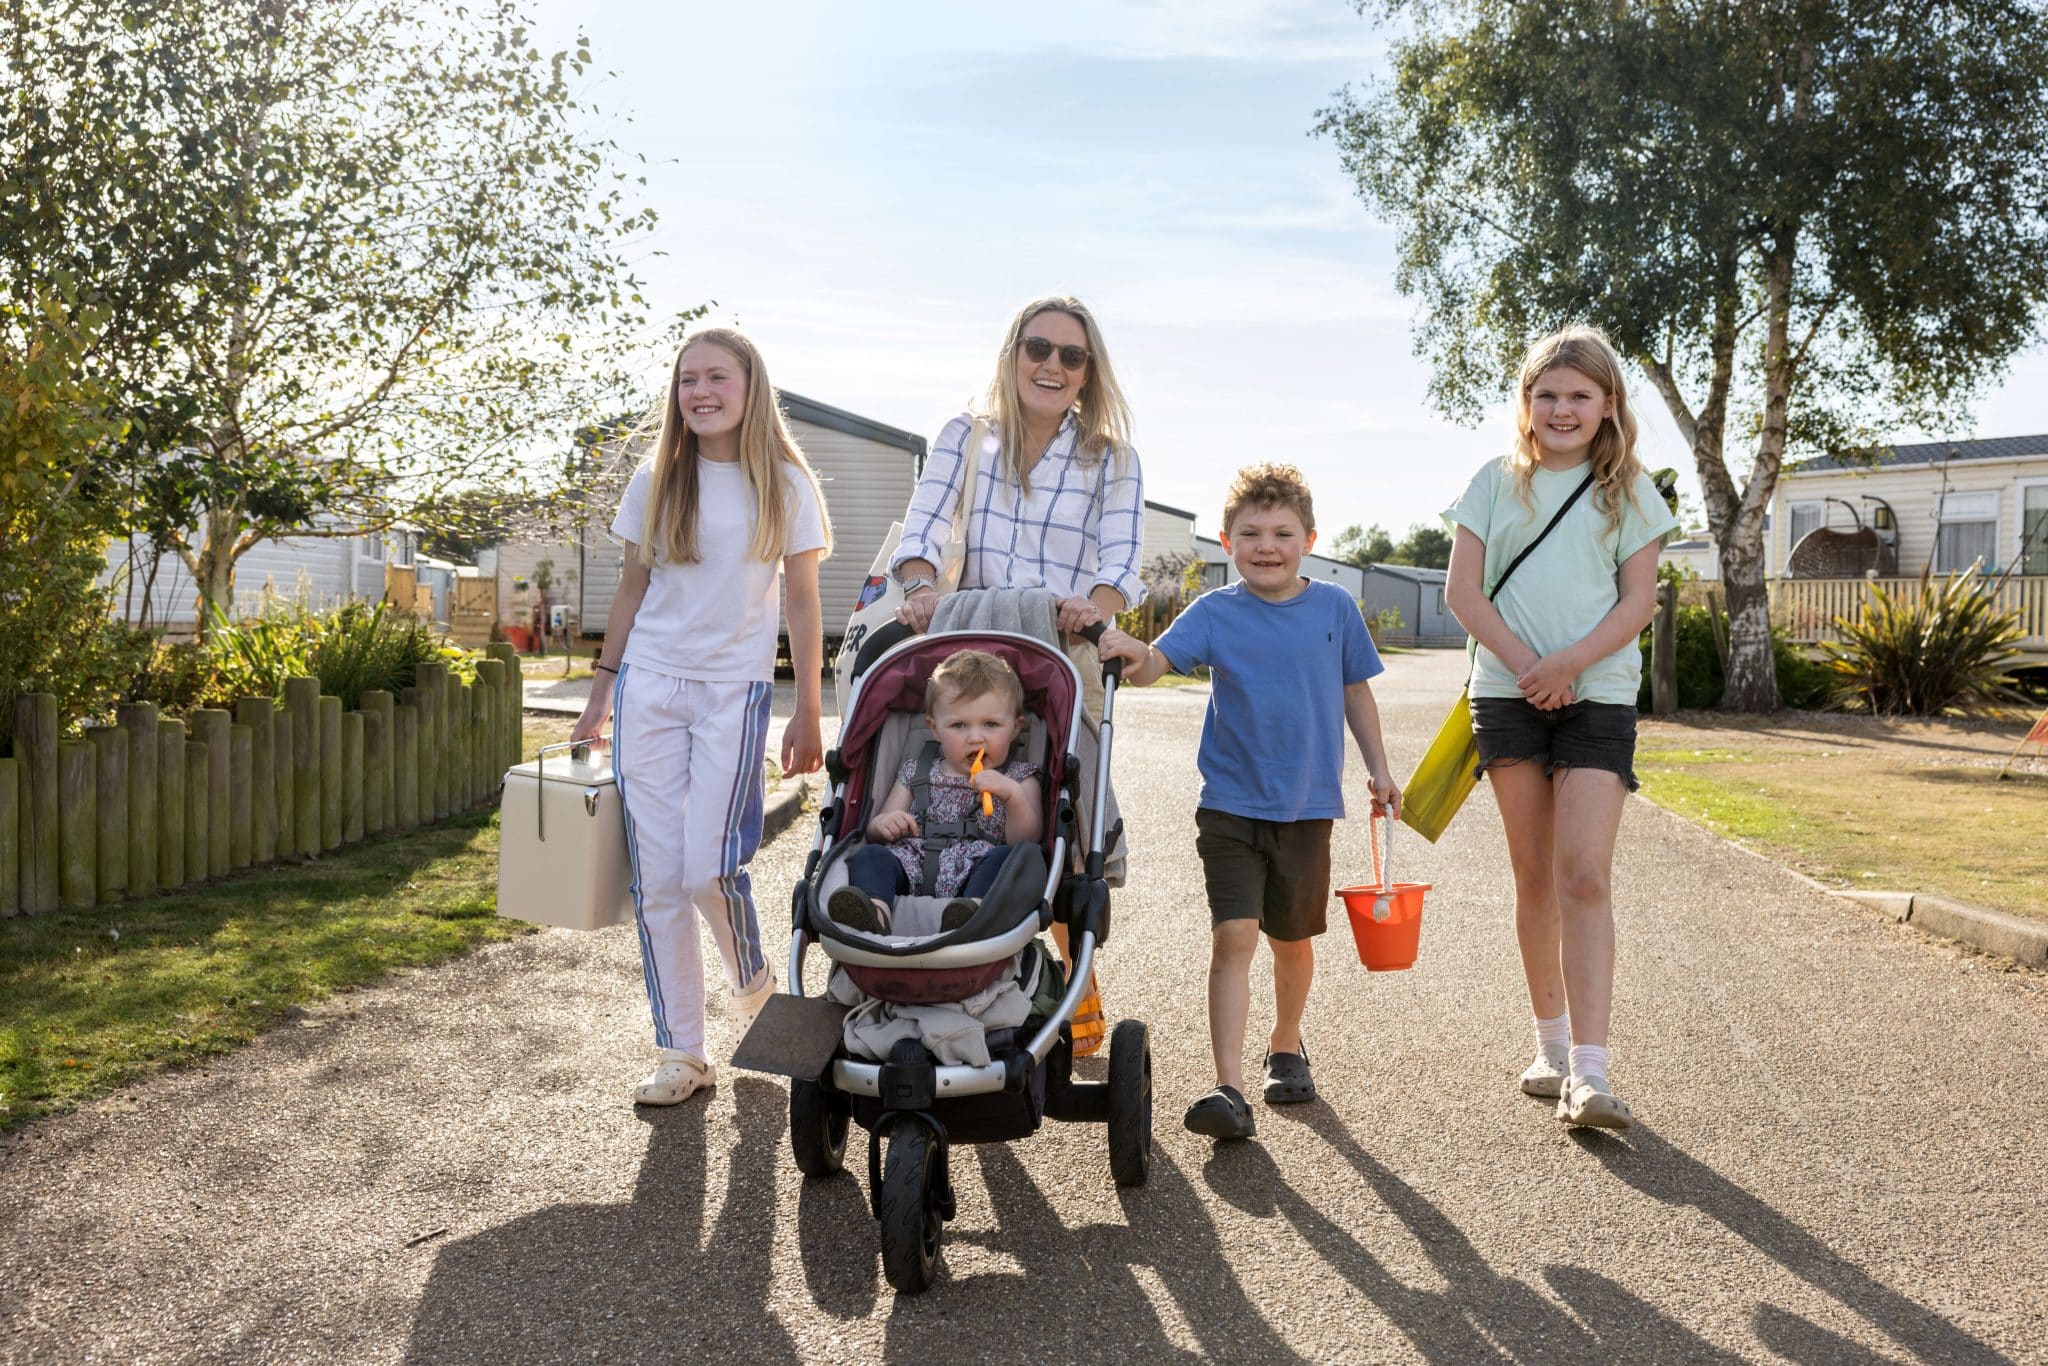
953	551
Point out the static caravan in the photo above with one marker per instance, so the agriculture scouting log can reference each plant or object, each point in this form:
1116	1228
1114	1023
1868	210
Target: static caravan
320	571
1165	531
1418	595
1941	505
866	469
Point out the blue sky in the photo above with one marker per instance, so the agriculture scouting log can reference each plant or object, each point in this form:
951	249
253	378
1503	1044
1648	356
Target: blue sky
870	190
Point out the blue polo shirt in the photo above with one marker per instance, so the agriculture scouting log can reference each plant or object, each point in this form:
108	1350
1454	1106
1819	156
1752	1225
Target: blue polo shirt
1273	741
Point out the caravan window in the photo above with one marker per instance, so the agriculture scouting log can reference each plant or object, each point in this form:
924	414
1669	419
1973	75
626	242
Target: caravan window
1968	533
1805	517
373	547
2034	528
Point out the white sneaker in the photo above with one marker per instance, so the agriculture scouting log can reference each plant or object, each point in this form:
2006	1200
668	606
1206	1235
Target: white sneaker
746	1006
676	1078
1545	1076
1588	1101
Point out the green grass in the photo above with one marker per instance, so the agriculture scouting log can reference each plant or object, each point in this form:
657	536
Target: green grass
1860	817
90	1000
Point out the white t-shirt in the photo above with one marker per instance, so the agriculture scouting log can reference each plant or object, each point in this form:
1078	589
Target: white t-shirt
715	620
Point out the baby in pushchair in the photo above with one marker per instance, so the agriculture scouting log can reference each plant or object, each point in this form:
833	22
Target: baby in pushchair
951	1020
959	806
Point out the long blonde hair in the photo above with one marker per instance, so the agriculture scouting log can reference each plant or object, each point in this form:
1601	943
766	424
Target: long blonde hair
1101	413
765	448
1615	466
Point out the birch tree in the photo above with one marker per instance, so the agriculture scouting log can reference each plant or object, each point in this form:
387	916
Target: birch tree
1806	224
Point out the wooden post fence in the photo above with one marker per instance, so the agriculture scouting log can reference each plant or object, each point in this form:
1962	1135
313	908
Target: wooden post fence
110	802
329	712
377	761
198	814
139	723
284	750
156	803
210	728
10	837
351	776
241	809
170	804
259	714
302	696
77	824
35	745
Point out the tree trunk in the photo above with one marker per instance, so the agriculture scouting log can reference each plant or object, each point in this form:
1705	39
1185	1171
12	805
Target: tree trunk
1752	683
214	572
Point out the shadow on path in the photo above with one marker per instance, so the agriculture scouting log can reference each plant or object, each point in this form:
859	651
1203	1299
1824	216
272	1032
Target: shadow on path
629	1281
1664	1173
1086	1285
1480	1315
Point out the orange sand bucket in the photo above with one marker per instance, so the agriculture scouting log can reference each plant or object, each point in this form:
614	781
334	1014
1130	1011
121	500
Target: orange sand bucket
1386	919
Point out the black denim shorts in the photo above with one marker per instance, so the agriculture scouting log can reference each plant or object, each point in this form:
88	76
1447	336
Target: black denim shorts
1582	735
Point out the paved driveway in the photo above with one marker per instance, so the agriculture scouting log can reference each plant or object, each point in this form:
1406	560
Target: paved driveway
1842	1159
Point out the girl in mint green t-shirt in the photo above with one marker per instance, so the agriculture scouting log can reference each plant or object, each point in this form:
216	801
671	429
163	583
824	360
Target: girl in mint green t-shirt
1554	681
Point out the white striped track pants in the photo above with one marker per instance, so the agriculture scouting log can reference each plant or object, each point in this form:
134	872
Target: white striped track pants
688	755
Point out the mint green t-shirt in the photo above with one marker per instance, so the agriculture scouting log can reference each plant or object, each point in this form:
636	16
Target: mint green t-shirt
1568	583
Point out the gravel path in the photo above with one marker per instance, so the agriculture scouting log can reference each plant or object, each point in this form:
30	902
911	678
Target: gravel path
1842	1154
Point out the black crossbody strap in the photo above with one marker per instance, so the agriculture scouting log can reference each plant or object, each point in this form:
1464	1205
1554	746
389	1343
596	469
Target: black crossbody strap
1516	563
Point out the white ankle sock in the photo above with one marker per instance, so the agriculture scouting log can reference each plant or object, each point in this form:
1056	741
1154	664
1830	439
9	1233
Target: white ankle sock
1589	1059
1555	1030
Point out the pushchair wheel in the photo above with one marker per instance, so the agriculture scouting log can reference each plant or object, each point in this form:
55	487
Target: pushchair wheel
910	1207
817	1129
1130	1103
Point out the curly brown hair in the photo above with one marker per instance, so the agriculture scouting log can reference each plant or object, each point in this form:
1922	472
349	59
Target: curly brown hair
970	674
1269	485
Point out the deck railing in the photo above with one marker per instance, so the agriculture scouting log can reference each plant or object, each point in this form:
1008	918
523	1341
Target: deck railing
1808	607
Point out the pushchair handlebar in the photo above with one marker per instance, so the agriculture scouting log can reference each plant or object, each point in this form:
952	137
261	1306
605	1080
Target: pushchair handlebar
1112	669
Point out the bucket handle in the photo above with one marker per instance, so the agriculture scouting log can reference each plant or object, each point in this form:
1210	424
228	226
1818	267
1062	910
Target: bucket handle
1383	871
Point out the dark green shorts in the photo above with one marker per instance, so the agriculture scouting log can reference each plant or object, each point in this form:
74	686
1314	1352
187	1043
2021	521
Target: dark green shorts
1274	872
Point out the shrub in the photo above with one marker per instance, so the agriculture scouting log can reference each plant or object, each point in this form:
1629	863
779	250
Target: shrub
1700	677
352	649
1943	648
359	649
1802	682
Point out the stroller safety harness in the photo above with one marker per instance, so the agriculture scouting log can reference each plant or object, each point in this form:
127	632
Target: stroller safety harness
936	836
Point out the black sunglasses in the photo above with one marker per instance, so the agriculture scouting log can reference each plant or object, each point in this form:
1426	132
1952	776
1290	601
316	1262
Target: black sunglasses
1036	349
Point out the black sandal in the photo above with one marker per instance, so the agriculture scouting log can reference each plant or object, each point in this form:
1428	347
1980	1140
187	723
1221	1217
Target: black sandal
1287	1078
1222	1113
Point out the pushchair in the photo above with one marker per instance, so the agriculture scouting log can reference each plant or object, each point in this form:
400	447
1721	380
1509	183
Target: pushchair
913	1106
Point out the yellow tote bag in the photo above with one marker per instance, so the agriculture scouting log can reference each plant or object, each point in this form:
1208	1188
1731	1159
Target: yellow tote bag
1444	778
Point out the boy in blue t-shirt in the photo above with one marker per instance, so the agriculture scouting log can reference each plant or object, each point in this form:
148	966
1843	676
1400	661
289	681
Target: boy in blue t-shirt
1289	660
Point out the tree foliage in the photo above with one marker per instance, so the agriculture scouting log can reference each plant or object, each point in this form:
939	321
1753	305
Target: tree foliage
363	250
55	635
1805	223
1424	547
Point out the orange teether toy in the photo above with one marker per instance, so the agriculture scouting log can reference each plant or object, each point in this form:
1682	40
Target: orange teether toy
988	803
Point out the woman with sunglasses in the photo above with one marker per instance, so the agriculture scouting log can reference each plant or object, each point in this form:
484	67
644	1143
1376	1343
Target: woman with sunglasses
1060	501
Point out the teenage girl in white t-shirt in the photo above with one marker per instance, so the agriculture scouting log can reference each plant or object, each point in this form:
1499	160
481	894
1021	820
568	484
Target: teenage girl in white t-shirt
690	648
1554	683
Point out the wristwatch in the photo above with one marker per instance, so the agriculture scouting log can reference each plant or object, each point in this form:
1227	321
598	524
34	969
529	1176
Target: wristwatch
921	581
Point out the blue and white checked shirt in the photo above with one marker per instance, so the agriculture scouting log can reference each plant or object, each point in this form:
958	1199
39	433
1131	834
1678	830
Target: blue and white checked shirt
1081	525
